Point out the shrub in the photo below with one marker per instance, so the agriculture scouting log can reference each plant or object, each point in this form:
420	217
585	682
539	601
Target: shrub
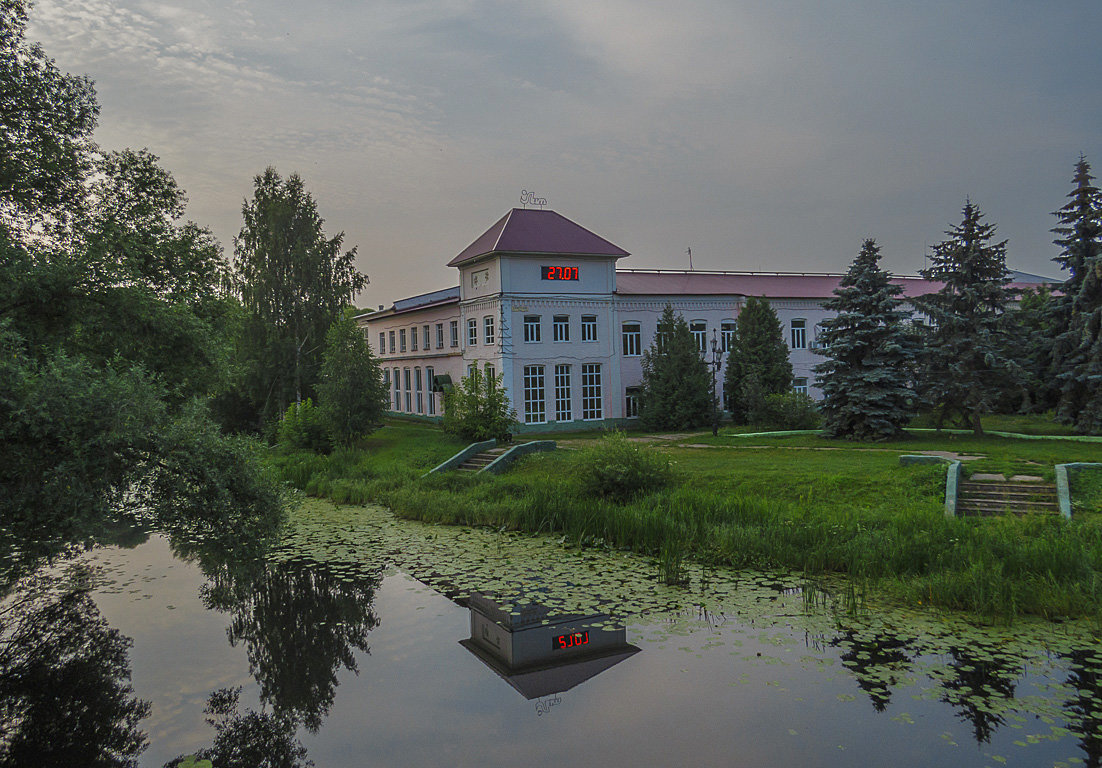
615	468
791	410
478	409
303	427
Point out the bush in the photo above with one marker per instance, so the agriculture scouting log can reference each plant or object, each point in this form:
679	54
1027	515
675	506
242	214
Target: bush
791	410
478	409
614	468
304	428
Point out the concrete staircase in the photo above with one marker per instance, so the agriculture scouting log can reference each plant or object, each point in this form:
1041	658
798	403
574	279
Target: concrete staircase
1000	497
479	460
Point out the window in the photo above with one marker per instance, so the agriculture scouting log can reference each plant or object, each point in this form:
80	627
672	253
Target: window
472	369
799	385
589	327
397	391
700	334
386	379
490	372
439	335
420	392
430	378
531	328
562	393
425	338
488	329
591	391
392	342
382	343
534	407
633	340
413	338
631	403
799	334
402	340
472	332
727	334
453	326
405	389
560	328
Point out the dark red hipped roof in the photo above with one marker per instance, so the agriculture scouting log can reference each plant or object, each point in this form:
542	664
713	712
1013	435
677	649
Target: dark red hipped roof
524	230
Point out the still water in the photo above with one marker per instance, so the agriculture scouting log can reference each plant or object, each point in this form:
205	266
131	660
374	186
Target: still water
363	640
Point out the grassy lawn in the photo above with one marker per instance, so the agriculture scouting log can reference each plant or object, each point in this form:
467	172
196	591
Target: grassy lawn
762	503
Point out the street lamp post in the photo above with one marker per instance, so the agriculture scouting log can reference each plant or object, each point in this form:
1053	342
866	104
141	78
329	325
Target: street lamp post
715	363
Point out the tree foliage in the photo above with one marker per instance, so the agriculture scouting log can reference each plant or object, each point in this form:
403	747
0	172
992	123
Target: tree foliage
966	365
757	362
677	385
478	409
867	380
351	393
1077	351
293	282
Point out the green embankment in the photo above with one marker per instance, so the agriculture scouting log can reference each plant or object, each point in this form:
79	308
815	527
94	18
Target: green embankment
762	503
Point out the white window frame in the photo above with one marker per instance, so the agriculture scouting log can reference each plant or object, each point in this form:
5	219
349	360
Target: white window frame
631	405
632	335
426	337
430	376
798	327
406	390
439	335
563	406
535	395
392	342
560	328
382	343
397	389
453	328
699	330
413	339
799	384
488	330
472	331
589	328
419	390
401	339
532	332
592	392
727	335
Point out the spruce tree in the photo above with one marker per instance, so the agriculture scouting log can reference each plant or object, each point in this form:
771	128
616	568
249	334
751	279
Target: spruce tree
866	383
966	366
757	362
1076	354
676	381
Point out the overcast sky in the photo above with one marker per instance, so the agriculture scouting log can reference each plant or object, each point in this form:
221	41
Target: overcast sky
762	135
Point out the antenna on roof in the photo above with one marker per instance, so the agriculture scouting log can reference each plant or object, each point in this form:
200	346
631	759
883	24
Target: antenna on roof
529	198
690	252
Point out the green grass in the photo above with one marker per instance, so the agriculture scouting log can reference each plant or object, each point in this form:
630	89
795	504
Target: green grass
762	503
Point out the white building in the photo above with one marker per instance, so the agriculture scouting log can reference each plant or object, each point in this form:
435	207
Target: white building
541	300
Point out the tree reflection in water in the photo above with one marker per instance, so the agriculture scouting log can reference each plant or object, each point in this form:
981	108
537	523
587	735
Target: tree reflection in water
971	682
65	695
877	663
1083	715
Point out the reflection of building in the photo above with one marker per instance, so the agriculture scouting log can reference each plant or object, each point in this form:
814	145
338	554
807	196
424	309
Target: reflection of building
540	654
542	301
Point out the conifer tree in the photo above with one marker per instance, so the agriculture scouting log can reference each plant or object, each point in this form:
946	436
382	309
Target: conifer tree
966	366
676	391
1077	350
757	362
866	383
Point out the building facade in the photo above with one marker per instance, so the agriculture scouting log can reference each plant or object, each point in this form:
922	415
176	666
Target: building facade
541	301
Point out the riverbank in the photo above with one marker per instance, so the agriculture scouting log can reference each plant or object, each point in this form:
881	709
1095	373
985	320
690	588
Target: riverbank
749	502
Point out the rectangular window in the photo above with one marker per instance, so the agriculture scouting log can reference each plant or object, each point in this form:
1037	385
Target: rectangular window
799	334
453	326
631	403
386	379
563	411
402	340
430	377
633	340
799	385
413	339
589	327
591	391
397	391
382	343
392	342
560	328
727	335
417	385
439	335
531	328
700	334
534	405
406	390
472	332
425	338
490	371
488	329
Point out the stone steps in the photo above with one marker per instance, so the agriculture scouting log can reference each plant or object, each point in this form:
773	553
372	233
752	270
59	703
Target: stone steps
478	461
1000	498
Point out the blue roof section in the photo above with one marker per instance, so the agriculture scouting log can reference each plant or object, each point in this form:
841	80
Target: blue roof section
425	299
1017	276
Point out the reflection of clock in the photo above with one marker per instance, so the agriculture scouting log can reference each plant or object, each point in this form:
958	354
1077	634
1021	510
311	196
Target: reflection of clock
482	277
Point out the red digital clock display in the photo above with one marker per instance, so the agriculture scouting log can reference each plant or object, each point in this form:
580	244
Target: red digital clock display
559	273
572	640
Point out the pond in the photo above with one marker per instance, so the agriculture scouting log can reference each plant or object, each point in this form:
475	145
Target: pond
366	640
